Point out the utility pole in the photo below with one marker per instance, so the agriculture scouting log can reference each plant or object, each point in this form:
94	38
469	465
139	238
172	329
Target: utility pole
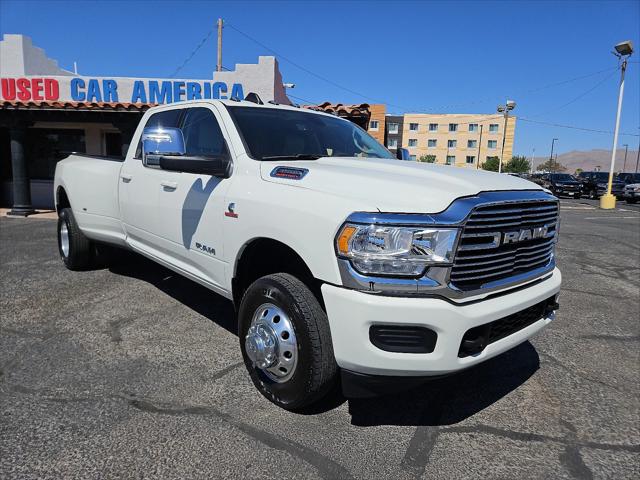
638	156
479	147
219	64
553	142
623	52
510	105
626	149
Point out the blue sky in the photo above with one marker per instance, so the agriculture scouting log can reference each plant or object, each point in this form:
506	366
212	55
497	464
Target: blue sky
449	57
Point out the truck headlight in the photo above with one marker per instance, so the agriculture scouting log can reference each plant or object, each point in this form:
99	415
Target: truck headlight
395	251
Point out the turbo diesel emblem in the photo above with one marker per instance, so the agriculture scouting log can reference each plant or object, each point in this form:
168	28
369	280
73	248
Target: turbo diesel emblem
526	234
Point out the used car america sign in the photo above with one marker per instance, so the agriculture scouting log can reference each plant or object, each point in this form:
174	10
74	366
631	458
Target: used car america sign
101	89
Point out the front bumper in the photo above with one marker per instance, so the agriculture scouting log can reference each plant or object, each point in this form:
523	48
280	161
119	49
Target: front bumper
352	313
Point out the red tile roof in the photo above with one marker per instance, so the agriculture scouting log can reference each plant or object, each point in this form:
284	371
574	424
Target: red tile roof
62	105
359	110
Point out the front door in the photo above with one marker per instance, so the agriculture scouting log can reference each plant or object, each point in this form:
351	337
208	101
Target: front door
193	205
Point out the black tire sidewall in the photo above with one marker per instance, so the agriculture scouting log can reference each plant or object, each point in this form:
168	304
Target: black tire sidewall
289	394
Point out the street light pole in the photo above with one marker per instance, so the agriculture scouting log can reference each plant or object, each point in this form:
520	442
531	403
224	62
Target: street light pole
624	51
510	105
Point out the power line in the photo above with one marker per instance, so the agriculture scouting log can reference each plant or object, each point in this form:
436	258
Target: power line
583	94
575	128
304	69
195	50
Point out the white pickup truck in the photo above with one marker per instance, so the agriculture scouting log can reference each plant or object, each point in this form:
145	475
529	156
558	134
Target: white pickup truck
343	263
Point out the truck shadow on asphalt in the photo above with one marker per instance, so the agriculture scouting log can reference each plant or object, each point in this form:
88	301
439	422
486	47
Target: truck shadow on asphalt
439	402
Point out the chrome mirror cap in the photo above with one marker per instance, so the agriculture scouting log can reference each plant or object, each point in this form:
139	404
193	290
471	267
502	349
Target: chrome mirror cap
162	141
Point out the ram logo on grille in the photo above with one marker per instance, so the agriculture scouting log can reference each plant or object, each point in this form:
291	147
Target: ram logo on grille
526	234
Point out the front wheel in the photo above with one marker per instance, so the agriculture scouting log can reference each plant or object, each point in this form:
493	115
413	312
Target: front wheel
286	342
593	194
632	200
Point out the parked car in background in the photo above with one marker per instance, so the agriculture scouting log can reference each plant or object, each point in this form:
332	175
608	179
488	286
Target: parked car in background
631	191
536	178
562	184
628	178
594	184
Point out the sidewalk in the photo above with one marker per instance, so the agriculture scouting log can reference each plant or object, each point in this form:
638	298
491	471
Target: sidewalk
48	214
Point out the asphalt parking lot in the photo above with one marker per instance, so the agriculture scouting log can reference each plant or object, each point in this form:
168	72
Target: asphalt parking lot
133	371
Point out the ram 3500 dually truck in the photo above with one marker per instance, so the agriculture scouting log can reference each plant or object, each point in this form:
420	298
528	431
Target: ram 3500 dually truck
343	263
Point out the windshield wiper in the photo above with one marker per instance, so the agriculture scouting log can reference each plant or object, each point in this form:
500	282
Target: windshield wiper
299	156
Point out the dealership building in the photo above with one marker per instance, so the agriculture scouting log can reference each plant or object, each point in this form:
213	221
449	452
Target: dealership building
48	112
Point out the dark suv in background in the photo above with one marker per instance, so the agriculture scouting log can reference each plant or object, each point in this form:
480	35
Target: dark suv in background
562	184
594	184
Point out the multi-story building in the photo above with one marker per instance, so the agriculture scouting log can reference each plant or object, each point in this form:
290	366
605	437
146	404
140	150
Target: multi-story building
393	132
465	140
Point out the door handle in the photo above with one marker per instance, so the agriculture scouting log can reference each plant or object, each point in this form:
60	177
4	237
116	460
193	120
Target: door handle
169	185
126	178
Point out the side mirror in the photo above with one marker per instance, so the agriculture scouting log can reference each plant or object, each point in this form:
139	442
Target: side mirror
158	141
218	166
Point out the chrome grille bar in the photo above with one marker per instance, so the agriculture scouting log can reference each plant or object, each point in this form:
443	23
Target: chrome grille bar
485	256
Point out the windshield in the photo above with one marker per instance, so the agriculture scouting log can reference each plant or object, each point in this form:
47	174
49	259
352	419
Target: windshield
272	134
602	176
562	177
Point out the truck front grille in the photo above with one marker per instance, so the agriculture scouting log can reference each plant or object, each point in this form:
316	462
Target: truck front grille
499	241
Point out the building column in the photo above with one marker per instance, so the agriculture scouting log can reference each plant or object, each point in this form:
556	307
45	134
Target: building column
21	182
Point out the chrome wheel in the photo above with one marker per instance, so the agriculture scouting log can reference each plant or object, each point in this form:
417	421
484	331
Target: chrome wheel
271	343
64	239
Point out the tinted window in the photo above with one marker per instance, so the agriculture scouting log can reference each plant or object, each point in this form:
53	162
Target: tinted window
168	118
202	134
270	132
562	177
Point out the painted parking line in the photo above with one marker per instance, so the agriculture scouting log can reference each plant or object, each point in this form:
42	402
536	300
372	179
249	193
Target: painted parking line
604	217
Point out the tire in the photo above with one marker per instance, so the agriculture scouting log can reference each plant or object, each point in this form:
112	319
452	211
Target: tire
593	194
282	303
578	197
76	250
632	200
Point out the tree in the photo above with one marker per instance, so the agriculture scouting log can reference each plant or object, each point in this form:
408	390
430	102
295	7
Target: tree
551	166
427	158
518	164
578	171
491	164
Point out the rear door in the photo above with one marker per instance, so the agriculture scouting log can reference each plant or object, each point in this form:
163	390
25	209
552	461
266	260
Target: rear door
139	192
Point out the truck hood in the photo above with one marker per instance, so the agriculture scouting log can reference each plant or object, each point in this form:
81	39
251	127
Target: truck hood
394	185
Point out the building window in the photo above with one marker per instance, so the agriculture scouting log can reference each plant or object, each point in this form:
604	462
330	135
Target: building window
492	144
393	127
413	127
452	143
413	142
493	128
471	159
44	147
433	127
412	158
373	125
393	143
451	159
472	144
432	143
453	127
473	127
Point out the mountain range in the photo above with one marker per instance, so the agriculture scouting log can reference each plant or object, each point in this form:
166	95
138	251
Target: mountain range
593	160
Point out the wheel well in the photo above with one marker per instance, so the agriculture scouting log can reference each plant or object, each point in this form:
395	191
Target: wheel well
62	200
264	256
